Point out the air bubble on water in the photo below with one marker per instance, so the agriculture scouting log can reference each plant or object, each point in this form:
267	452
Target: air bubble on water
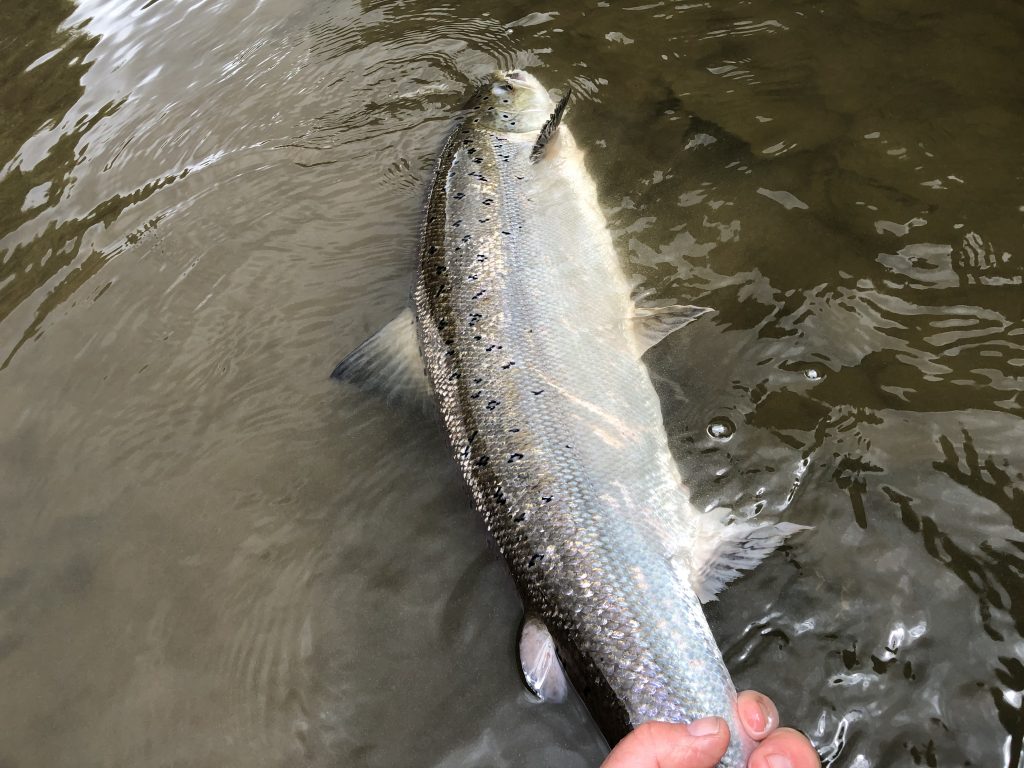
813	374
721	429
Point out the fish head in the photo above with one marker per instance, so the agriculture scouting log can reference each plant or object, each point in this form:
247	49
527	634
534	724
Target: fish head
513	101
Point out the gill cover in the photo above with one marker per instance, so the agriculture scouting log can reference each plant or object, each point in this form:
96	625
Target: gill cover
512	102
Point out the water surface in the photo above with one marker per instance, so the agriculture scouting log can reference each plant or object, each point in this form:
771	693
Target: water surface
212	555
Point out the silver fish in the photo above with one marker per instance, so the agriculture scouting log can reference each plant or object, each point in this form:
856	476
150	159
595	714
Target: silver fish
531	343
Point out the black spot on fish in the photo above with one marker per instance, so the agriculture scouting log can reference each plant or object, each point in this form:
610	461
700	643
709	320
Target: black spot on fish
472	436
512	123
471	150
457	223
477	338
514	429
477	381
488	200
466	238
472	277
432	249
546	499
505	232
508	365
492	404
519	518
479	293
484	220
535	558
453	377
482	461
481	257
473	318
477	160
476	394
514	457
537	391
459	195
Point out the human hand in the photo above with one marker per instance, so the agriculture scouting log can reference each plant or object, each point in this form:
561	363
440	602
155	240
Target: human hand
702	743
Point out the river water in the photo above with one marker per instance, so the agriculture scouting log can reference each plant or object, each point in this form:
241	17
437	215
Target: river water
212	555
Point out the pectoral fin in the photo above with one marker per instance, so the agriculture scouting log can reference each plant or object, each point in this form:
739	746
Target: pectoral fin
541	668
652	324
549	128
389	362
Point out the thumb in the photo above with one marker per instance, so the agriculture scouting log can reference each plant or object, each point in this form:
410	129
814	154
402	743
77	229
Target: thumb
700	744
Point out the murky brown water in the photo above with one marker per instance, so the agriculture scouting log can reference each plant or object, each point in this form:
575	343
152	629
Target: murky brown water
212	555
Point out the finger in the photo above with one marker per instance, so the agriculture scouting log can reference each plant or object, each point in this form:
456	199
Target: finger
700	744
785	748
757	714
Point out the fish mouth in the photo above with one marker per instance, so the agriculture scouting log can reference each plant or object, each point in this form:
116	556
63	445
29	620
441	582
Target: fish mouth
518	78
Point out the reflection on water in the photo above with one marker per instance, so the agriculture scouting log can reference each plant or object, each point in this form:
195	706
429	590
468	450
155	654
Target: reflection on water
212	555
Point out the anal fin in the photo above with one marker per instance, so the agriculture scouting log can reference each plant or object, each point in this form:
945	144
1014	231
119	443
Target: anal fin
541	668
724	548
389	362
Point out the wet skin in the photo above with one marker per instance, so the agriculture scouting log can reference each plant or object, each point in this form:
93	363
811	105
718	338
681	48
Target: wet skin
702	743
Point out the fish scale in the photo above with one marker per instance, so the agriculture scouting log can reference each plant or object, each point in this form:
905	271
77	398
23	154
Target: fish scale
522	313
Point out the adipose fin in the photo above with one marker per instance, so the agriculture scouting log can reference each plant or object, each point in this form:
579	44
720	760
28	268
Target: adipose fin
541	668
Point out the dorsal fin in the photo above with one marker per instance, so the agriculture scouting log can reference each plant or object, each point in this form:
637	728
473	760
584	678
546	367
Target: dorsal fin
389	362
550	127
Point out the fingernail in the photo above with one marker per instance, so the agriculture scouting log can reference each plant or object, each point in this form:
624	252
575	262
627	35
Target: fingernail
768	715
779	761
707	726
